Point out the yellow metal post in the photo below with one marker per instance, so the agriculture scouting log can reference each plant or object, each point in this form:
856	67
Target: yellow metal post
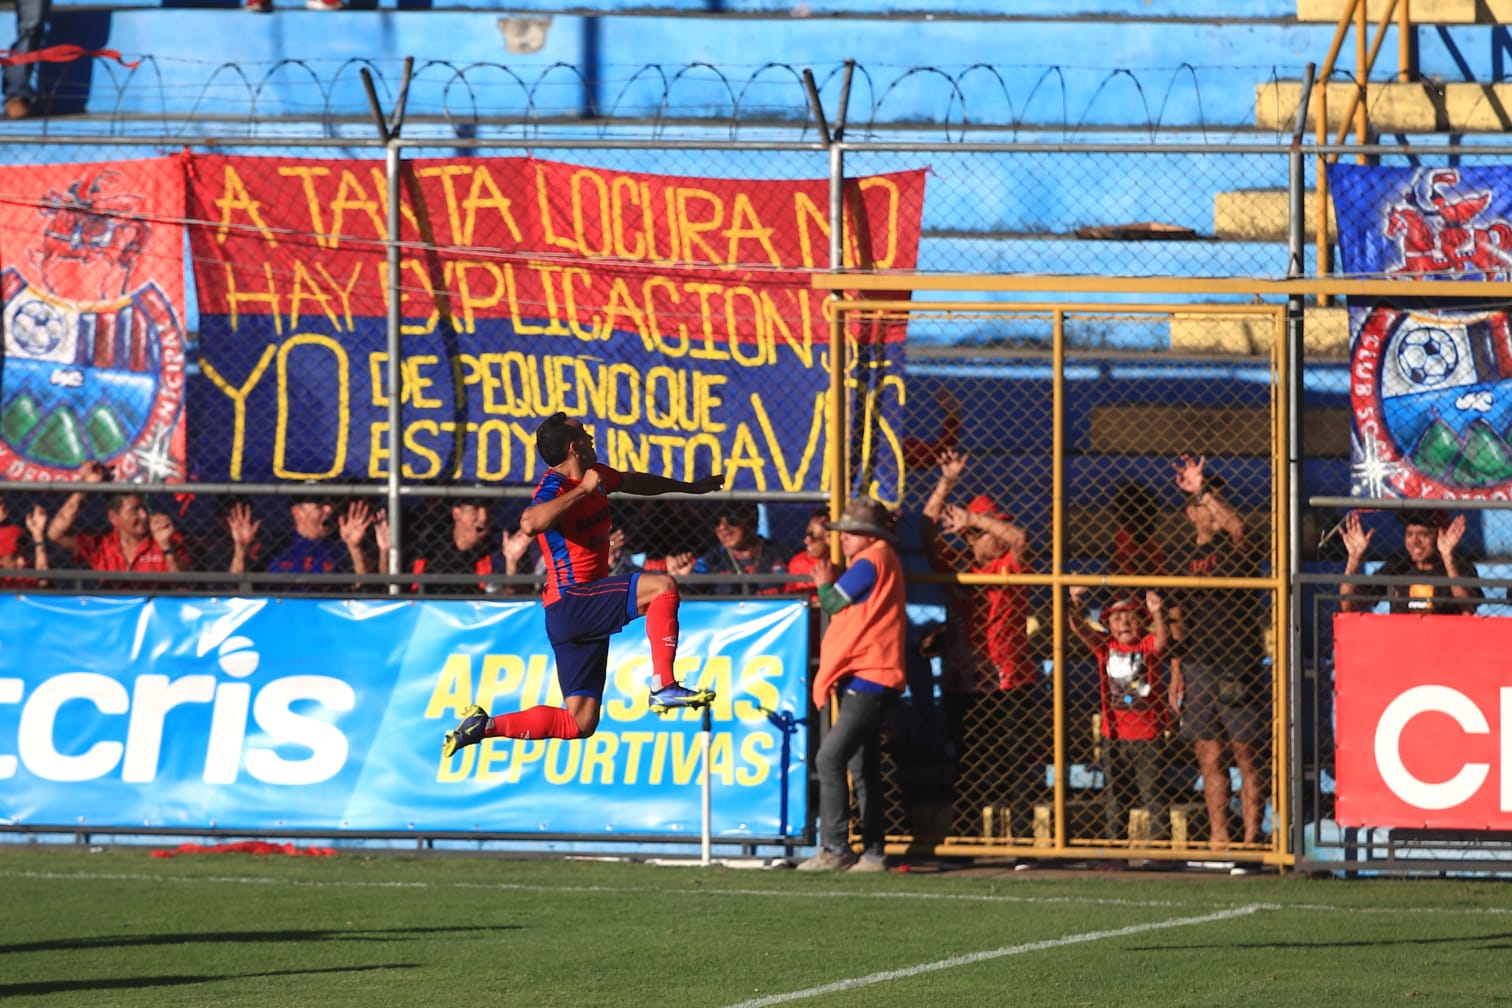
1057	548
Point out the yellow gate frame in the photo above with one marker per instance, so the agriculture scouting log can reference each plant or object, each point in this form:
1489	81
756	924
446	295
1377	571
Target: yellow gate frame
842	307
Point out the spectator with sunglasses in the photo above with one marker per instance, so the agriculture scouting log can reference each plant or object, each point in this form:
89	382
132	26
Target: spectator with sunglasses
1218	676
742	551
816	550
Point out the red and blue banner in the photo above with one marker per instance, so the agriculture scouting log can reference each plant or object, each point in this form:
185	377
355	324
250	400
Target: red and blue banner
672	314
304	714
1430	381
93	292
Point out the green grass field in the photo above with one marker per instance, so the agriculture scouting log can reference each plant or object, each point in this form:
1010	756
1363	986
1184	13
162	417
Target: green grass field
119	927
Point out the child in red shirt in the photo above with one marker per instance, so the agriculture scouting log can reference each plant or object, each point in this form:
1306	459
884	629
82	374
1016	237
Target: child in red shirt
1135	712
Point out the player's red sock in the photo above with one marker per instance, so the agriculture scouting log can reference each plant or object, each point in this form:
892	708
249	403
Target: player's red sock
534	723
661	631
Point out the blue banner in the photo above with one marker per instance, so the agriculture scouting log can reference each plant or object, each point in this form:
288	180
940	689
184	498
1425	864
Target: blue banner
304	714
1427	376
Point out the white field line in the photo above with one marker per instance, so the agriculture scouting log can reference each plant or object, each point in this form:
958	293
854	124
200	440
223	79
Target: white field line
997	953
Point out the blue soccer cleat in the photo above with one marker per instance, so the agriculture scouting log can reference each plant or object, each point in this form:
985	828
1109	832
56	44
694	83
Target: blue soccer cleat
469	732
677	695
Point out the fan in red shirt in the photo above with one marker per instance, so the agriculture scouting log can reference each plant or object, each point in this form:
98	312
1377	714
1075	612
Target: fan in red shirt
816	550
992	689
15	549
138	540
1135	709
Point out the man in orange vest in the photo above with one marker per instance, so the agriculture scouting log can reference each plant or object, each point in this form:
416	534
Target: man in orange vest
861	666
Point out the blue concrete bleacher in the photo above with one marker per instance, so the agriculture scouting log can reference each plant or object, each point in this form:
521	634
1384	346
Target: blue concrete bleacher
1189	65
916	9
1149	75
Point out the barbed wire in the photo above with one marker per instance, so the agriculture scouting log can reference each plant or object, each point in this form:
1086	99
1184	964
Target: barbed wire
183	99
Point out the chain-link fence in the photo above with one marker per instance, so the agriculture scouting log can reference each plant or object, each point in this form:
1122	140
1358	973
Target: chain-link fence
279	344
1068	426
1094	596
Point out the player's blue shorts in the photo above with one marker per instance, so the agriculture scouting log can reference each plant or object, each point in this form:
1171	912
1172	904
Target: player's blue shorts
579	625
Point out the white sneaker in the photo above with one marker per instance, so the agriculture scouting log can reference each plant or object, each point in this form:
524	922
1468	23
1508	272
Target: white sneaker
869	863
326	5
828	860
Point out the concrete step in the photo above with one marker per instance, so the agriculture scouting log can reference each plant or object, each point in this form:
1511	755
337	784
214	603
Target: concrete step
1394	107
1263	215
1326	333
1089	257
1424	12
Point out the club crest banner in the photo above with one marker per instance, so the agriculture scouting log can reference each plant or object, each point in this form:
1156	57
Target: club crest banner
93	294
1429	382
672	314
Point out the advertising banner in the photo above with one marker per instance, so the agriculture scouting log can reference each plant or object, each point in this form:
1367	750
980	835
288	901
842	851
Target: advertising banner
1423	730
1429	380
673	315
93	291
329	715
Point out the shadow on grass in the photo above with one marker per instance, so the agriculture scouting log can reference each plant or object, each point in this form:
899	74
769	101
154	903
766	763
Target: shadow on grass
134	983
195	938
1500	937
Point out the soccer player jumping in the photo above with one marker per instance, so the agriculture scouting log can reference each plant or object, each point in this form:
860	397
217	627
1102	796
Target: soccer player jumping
570	516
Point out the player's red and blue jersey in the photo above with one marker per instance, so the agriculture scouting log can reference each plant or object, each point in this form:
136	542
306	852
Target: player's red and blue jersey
576	548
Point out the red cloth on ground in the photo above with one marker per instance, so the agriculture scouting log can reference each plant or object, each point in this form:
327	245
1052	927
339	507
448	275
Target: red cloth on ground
247	847
61	54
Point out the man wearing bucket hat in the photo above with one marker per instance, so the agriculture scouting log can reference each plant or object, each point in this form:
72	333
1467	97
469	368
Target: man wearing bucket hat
996	708
1429	549
861	667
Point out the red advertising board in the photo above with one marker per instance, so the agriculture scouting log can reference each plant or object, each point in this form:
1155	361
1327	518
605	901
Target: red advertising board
1423	721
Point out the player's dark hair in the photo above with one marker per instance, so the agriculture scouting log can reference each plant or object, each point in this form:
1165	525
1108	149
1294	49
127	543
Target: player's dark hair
554	439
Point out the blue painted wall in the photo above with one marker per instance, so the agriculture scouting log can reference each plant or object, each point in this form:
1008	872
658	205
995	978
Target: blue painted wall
1090	64
1141	9
1180	74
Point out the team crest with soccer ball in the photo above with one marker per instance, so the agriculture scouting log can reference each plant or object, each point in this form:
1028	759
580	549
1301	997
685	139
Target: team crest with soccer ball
1430	384
1432	400
94	354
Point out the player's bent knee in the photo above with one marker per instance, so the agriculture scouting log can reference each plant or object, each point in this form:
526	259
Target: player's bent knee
655	584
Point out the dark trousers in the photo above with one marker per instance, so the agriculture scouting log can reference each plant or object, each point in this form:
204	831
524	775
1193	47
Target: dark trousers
854	745
1133	781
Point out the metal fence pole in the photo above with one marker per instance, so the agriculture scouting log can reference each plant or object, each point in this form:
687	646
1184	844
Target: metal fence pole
1295	351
